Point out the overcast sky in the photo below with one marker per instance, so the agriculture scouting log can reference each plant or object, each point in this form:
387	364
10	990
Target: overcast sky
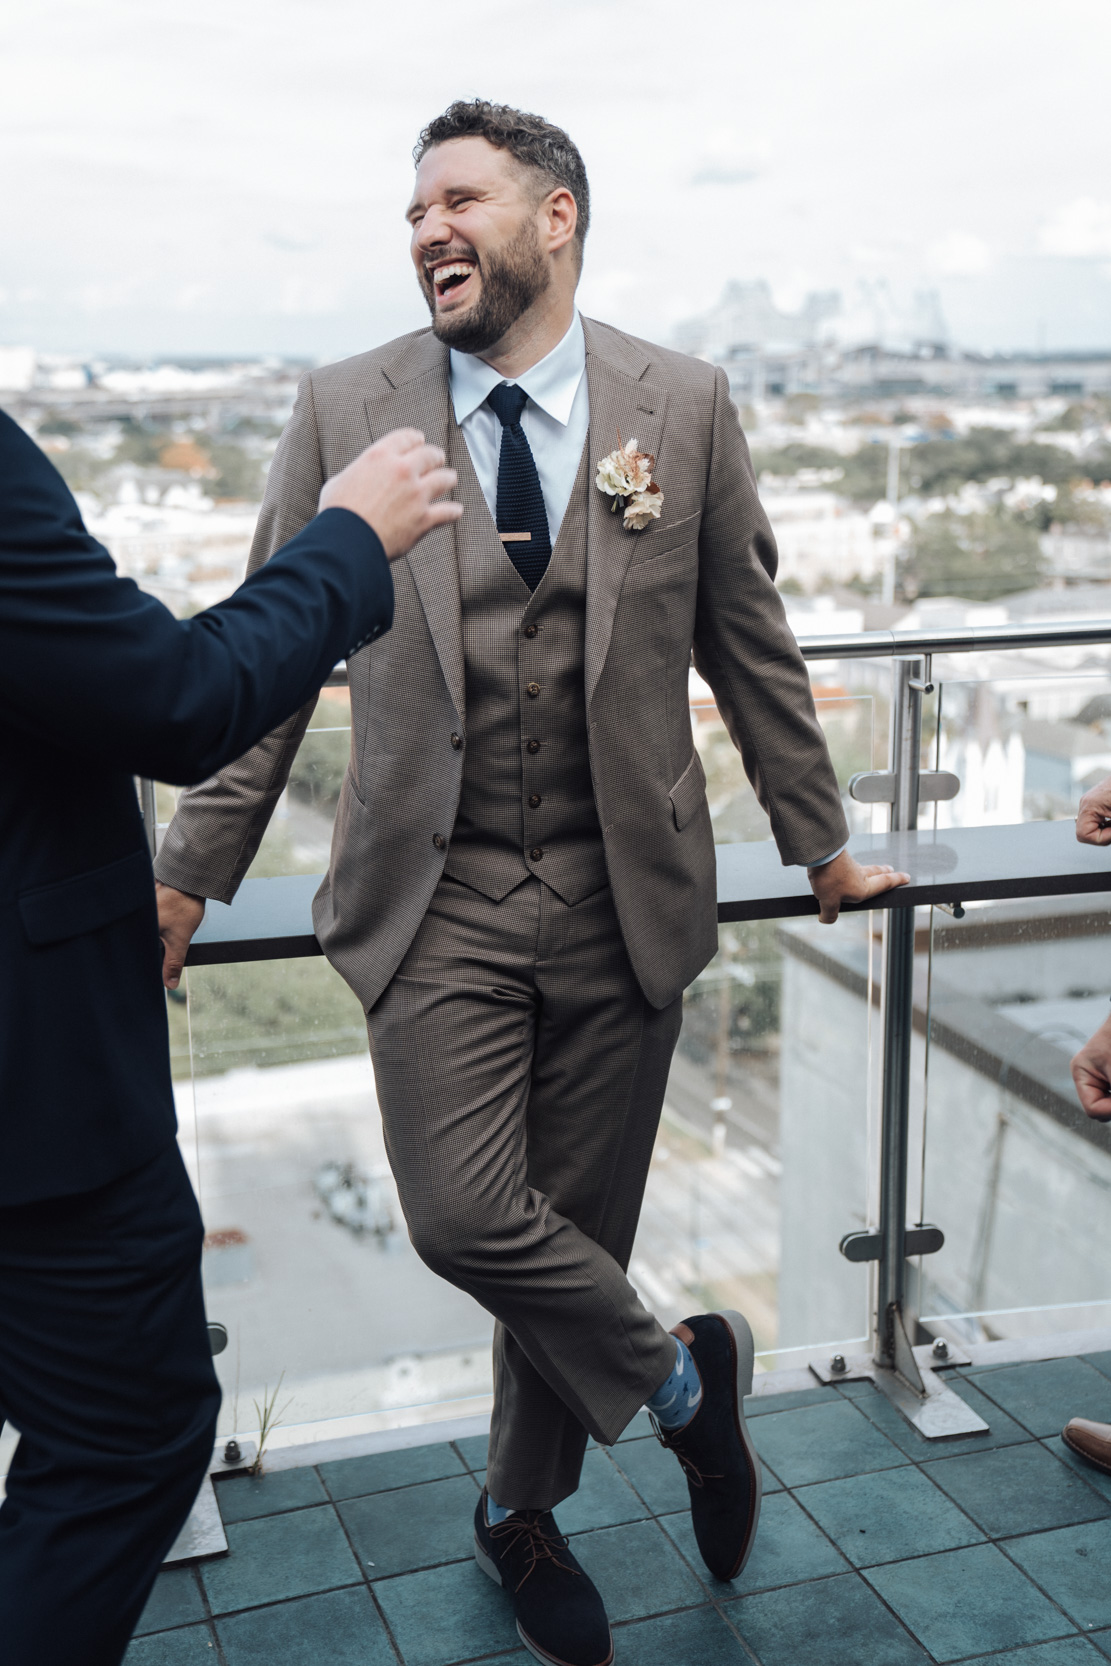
231	175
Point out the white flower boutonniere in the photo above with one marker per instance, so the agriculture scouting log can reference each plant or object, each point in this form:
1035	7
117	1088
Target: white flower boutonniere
626	477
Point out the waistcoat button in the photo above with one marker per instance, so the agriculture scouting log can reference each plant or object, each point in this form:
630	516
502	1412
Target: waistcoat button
536	853
530	630
532	690
535	801
439	841
457	741
534	746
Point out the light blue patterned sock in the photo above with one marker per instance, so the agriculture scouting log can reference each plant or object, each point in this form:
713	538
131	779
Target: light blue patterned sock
495	1512
680	1394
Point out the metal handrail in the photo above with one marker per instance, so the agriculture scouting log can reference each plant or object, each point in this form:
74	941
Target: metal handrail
962	640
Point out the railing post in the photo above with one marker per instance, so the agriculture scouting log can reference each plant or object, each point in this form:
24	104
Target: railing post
893	1345
149	807
910	1384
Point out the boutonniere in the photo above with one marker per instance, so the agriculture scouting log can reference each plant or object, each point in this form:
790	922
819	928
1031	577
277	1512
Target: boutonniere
626	477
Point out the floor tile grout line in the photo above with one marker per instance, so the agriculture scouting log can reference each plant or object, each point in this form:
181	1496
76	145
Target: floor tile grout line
1028	1532
1081	1475
367	1583
211	1618
1001	1546
1029	1577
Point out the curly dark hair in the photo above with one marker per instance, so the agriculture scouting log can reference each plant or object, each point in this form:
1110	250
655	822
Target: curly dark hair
536	144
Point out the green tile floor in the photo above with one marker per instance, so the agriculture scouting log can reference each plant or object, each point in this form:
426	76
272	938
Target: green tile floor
876	1548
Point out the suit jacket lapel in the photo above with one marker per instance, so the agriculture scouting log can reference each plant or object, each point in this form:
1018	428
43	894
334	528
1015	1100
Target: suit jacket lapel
418	396
620	402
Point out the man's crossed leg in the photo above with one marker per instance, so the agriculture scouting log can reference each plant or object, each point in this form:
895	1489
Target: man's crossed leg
521	1074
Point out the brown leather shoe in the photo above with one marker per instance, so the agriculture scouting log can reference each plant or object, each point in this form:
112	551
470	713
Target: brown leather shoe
1089	1440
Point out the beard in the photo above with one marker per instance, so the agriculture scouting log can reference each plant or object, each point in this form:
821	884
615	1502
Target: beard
512	279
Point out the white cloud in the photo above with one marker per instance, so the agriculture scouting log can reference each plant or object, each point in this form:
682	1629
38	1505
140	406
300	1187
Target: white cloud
959	254
1080	228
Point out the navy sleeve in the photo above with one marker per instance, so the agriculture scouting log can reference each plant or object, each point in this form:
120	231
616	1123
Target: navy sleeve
91	664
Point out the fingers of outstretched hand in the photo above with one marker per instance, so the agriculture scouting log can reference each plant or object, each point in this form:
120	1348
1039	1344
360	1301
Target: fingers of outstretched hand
399	441
1090	828
1093	813
1092	1087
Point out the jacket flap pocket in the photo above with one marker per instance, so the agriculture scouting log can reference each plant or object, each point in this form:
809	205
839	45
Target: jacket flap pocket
661	537
688	792
87	901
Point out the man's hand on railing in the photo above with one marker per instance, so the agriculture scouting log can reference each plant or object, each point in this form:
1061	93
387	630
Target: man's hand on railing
1091	1072
844	880
394	485
179	915
1093	819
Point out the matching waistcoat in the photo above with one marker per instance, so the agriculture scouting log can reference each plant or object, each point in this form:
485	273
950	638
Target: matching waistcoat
527	803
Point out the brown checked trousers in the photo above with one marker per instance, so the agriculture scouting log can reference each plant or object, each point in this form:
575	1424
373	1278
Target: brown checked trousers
522	1183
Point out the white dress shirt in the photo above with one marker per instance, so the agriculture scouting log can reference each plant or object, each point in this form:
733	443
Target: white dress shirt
555	419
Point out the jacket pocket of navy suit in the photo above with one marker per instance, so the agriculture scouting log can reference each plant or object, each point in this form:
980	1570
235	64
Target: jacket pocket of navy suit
689	792
86	901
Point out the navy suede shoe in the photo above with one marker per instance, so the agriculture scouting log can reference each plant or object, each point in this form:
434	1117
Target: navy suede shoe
714	1448
560	1616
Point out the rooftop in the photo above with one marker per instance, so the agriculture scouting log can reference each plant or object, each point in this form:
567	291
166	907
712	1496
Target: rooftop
875	1548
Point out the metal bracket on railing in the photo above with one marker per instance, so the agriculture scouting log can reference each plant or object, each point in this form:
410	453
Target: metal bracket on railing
878	786
868	1246
921	1396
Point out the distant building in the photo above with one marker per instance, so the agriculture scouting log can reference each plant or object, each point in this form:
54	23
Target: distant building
874	348
17	369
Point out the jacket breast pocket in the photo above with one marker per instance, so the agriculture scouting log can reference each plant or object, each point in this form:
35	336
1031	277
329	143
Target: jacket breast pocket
689	792
659	540
86	901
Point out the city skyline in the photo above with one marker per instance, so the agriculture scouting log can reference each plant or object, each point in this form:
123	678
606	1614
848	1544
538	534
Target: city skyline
235	183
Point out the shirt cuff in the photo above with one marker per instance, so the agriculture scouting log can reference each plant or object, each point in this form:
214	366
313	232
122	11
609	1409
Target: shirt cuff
810	866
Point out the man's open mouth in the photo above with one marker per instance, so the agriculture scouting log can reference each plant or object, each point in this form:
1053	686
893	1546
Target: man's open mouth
450	278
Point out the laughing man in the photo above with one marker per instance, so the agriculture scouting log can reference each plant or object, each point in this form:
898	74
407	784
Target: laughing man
522	880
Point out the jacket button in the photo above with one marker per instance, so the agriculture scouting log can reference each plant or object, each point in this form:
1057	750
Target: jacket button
457	741
535	801
530	630
534	746
536	853
532	690
439	841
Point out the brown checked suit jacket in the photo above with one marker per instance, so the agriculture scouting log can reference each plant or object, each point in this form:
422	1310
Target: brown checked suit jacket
699	577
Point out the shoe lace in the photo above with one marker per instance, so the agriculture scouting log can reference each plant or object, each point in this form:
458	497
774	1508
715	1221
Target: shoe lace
539	1546
671	1441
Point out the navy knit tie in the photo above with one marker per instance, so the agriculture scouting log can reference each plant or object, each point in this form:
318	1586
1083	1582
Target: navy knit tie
521	509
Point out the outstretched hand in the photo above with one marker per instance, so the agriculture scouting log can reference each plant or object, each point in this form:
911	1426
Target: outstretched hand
397	486
1093	819
1091	1072
844	880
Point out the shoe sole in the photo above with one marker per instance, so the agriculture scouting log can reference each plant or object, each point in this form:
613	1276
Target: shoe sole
1096	1463
744	1360
489	1568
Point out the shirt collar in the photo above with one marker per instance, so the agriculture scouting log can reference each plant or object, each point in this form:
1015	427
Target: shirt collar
552	384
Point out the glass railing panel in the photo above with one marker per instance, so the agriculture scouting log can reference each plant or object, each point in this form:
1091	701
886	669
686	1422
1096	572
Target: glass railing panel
1025	744
765	1147
307	1261
855	727
1011	1169
298	837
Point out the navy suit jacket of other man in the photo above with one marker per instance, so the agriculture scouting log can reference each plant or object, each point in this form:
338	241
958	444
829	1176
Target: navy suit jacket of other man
100	683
